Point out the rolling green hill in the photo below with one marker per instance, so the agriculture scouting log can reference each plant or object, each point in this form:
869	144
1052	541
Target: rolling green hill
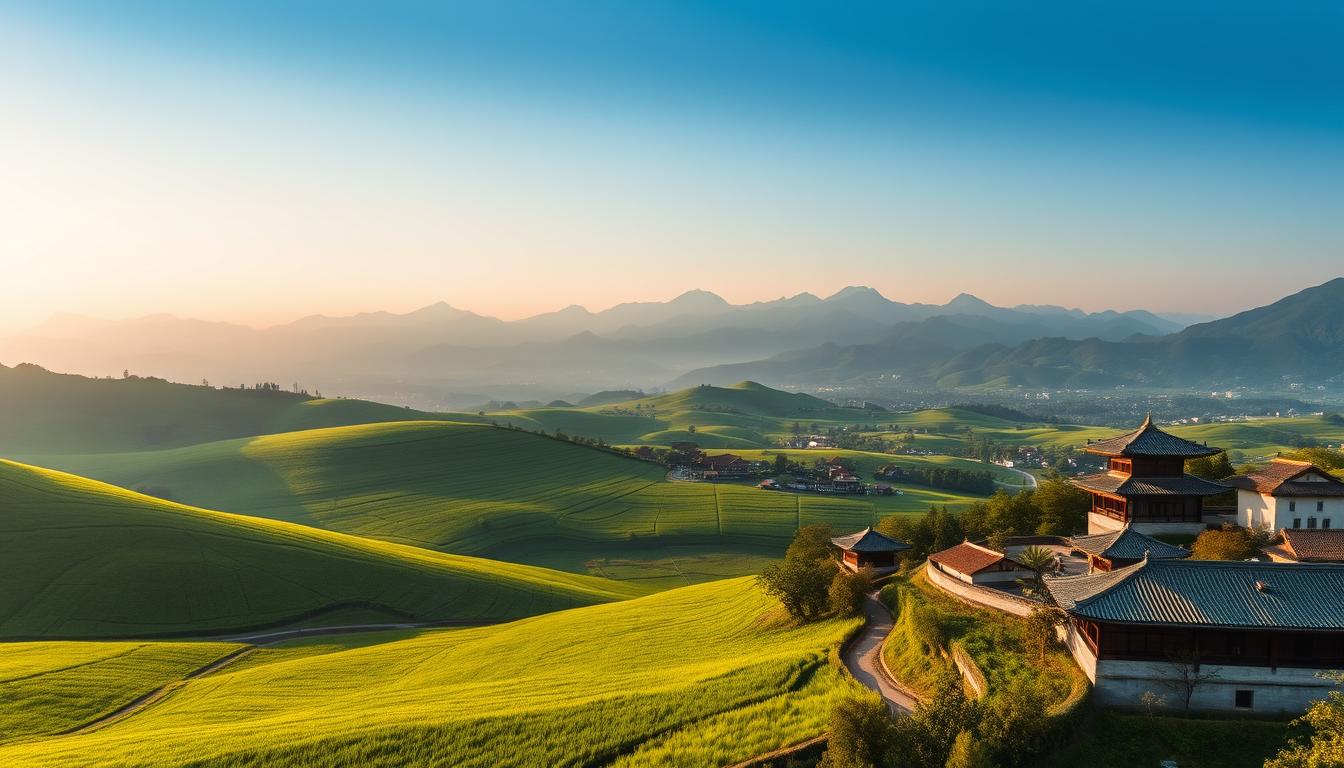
704	675
48	413
498	493
80	558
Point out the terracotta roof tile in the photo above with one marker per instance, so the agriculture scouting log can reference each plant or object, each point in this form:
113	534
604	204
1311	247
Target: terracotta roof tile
967	558
1315	545
1280	478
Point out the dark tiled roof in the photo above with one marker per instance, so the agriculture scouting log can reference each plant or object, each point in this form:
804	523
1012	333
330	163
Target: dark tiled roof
1148	440
967	558
1125	485
1128	544
722	460
1208	593
1281	477
869	540
1315	545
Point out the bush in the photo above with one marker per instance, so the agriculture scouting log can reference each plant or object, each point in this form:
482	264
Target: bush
1226	543
862	734
848	590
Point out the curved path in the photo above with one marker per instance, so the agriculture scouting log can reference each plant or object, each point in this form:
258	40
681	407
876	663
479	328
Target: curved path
863	660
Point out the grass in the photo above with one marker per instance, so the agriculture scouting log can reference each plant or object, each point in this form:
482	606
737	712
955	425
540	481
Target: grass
996	641
85	559
476	489
49	688
703	675
51	413
1115	740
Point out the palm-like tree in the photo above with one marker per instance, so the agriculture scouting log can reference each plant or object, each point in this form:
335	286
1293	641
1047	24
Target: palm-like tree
1039	560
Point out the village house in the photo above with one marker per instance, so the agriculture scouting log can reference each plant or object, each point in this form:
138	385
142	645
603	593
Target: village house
1117	549
1288	494
869	549
725	466
1145	484
1222	636
976	564
1304	545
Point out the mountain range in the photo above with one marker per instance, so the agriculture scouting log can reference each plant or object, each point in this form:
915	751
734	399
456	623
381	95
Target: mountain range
1298	339
440	356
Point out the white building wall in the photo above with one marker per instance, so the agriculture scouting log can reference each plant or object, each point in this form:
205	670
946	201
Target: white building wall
1281	691
1256	510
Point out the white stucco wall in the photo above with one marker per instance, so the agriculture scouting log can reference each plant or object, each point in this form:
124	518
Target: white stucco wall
1258	509
1102	524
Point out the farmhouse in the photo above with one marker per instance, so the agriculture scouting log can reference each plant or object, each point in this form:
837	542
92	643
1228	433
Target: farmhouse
1117	549
1145	484
869	549
974	564
725	466
1222	636
1286	494
1303	545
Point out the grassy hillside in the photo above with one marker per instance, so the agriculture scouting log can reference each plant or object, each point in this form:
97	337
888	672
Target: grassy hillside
705	675
505	494
79	558
47	413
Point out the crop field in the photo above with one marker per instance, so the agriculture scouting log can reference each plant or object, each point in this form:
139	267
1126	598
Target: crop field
707	674
54	687
85	559
476	489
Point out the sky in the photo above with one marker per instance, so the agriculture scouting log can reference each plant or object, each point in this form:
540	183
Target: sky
260	161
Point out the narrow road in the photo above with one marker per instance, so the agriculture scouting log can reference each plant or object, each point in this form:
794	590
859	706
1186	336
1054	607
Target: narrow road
1030	478
862	657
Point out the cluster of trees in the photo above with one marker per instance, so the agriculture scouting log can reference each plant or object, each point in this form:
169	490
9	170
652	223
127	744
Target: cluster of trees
977	481
810	584
1055	507
947	730
1325	745
1229	543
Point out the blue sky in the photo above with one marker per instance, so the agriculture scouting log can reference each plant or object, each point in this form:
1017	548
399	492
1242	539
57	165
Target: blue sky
258	161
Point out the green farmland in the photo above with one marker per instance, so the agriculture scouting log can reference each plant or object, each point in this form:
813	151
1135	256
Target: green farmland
697	676
505	494
85	559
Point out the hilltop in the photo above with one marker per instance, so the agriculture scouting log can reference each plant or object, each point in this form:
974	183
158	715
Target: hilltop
49	413
86	559
704	675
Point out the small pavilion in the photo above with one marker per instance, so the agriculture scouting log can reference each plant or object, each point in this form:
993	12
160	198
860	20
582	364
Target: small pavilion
869	549
1117	549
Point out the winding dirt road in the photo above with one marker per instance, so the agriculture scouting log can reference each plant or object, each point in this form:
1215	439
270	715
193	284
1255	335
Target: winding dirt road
863	660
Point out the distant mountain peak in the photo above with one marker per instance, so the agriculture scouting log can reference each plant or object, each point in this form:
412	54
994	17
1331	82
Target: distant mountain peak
700	297
856	292
964	301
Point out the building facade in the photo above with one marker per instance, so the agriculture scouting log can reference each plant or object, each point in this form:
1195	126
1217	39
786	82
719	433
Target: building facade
1226	636
1289	494
869	549
1145	485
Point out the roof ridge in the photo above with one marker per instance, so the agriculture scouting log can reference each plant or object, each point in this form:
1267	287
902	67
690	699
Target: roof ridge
1298	462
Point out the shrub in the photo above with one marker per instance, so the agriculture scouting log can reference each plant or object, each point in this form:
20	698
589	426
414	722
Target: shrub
862	734
848	590
1226	543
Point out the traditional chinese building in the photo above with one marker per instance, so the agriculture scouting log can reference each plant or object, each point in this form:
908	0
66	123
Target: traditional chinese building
1117	549
869	549
1145	485
976	564
1230	636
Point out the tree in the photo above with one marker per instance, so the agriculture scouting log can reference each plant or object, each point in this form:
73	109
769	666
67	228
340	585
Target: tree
925	738
1063	507
1227	543
1214	467
1190	675
847	591
801	582
1041	624
1014	725
690	428
1039	560
781	463
862	734
1326	746
968	752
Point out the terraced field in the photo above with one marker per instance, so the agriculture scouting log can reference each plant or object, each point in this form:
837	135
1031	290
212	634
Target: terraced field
86	559
696	676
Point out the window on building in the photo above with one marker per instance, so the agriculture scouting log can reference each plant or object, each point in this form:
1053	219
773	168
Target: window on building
1311	522
1245	699
1325	522
1292	506
1297	522
1320	506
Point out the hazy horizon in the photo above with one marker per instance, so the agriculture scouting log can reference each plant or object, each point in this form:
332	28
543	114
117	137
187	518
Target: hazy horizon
261	162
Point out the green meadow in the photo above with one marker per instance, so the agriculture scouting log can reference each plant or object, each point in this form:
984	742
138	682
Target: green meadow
86	559
702	675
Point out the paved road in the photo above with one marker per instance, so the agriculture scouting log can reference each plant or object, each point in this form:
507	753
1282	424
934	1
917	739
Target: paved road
1030	478
862	657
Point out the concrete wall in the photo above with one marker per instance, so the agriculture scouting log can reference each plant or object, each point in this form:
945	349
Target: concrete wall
982	596
1000	577
1279	691
1121	684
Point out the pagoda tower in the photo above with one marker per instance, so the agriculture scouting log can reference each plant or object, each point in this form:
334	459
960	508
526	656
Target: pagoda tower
1145	485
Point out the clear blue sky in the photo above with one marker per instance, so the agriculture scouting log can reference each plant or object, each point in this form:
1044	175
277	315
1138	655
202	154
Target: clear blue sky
256	161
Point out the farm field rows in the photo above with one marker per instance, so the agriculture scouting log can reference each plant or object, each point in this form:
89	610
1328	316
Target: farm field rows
701	675
86	559
477	489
